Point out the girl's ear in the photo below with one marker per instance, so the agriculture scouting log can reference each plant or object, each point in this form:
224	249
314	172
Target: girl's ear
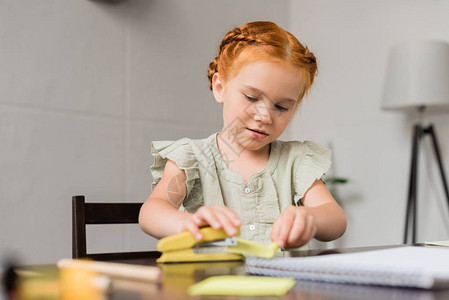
217	88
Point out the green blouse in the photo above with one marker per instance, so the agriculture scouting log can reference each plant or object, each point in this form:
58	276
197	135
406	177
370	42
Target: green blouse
290	171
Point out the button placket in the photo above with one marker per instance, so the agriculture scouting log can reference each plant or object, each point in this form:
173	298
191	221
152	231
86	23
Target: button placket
249	196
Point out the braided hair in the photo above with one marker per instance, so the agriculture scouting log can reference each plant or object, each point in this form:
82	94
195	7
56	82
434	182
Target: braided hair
262	41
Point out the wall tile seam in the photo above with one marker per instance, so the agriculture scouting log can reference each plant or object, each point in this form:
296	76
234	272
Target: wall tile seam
106	117
59	111
126	113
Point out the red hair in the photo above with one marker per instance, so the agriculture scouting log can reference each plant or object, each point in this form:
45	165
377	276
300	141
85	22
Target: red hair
262	41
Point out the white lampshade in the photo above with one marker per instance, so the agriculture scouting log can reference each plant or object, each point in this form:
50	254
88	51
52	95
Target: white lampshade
417	76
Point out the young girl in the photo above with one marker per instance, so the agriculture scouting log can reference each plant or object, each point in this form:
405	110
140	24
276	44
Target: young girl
243	176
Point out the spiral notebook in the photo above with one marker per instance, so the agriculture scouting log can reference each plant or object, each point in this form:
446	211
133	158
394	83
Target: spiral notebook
409	266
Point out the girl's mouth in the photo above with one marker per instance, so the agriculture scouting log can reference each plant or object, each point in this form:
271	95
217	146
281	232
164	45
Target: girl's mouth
258	134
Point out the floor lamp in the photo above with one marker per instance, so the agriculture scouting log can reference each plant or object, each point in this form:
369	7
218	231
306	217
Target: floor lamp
418	79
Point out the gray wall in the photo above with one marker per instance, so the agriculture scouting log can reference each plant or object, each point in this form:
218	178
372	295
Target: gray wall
84	88
372	147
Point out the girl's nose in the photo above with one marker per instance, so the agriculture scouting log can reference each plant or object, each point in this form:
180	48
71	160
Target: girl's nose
262	113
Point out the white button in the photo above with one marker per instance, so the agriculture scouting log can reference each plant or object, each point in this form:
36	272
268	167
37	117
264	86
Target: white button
252	227
247	190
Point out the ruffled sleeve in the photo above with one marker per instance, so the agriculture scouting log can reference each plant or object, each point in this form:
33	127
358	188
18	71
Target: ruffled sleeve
181	153
314	163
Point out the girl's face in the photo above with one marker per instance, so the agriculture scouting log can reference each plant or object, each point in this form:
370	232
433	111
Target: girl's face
258	103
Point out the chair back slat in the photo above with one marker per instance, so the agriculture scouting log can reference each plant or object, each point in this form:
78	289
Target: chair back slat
103	213
78	227
112	213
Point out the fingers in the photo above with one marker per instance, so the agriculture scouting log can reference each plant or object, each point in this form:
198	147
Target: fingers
217	217
293	228
227	221
275	230
282	225
302	231
191	226
206	215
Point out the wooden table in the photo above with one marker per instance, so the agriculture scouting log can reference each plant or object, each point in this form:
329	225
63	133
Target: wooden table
178	277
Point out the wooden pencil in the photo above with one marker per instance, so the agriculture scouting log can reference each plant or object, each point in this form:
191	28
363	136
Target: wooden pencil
120	270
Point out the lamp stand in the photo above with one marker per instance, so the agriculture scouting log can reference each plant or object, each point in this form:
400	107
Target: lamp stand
418	133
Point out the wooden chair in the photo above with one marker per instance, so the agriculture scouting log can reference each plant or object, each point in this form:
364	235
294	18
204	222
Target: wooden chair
103	213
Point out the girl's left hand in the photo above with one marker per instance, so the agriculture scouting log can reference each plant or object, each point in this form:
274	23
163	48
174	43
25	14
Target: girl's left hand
293	228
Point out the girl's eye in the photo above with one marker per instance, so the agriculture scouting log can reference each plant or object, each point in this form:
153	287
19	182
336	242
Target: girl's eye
281	108
252	99
276	106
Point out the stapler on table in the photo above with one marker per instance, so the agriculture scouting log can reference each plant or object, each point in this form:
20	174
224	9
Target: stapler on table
184	247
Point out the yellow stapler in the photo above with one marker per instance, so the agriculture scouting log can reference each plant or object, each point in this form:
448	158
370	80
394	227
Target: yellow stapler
184	247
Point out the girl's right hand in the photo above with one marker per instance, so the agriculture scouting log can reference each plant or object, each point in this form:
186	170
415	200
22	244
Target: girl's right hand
216	216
